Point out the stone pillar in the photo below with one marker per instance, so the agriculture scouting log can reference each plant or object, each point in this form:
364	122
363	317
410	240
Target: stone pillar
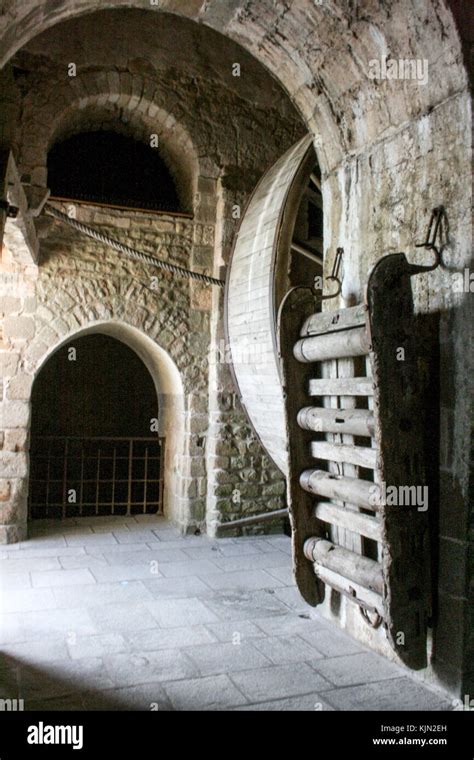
17	327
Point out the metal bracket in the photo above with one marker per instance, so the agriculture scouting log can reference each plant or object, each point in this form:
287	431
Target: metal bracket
434	230
334	276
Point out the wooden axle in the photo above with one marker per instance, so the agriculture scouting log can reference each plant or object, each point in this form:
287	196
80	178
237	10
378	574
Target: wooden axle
348	518
349	421
335	345
362	493
361	570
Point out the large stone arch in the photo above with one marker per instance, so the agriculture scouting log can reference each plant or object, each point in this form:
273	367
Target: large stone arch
111	100
358	122
326	77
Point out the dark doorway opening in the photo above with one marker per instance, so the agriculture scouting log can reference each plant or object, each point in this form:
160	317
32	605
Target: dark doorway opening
94	446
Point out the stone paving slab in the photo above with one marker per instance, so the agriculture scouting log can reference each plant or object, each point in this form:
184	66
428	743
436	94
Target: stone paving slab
103	573
102	594
155	638
209	693
286	649
281	681
304	703
359	668
259	561
125	614
166	588
395	694
227	658
61	577
144	697
242	579
164	665
26	600
236	631
121	617
174	613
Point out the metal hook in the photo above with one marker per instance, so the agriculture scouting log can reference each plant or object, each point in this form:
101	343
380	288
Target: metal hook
377	620
334	276
434	228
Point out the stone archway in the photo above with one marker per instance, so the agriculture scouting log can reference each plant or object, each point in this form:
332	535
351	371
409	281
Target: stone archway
171	422
91	101
169	390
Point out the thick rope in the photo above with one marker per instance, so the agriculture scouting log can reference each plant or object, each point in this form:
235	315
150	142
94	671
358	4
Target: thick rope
129	252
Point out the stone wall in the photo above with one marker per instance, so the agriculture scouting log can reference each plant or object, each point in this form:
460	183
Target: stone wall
215	468
389	149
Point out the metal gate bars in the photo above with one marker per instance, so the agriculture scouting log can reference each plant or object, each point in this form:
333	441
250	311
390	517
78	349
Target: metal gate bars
78	476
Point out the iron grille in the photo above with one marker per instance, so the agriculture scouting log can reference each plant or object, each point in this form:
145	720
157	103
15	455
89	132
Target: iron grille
78	476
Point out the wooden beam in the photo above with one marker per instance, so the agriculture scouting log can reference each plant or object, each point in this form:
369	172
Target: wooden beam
314	197
339	452
347	518
353	386
315	180
19	232
350	421
362	493
298	248
333	321
337	345
357	593
350	565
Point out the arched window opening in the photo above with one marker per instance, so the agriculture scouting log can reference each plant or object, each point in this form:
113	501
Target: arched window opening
108	168
94	446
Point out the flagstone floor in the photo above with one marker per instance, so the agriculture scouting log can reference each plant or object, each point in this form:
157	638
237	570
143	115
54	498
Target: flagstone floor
124	614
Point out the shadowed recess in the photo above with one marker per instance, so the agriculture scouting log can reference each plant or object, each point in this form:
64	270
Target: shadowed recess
106	167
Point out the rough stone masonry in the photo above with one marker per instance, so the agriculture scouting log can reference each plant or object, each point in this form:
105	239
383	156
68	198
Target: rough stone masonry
390	149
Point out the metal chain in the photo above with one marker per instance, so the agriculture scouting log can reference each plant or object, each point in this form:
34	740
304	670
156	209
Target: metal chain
131	253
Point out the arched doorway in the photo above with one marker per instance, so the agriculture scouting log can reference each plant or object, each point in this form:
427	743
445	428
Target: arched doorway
95	447
165	411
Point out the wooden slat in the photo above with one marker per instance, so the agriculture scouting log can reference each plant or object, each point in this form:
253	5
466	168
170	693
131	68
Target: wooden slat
353	342
349	421
333	321
346	368
346	518
314	197
353	386
338	452
358	594
352	566
363	493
